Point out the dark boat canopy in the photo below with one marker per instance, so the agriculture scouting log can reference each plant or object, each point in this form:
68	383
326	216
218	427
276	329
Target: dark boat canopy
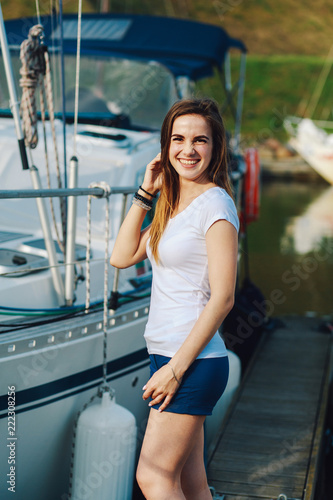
186	48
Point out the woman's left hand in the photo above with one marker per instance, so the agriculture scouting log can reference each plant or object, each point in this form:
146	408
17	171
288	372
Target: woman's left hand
162	386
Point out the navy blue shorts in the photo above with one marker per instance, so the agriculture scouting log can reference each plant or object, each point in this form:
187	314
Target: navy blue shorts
202	385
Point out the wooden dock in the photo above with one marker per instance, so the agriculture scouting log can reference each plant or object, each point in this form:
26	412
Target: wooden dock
271	439
292	169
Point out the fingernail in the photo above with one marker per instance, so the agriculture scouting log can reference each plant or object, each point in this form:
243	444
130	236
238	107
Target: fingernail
144	387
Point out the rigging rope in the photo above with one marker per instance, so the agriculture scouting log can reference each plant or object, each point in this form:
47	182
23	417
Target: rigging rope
106	279
88	250
312	105
46	157
107	191
49	96
35	70
104	387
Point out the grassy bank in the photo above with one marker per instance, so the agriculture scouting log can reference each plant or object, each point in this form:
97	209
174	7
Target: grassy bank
276	86
266	26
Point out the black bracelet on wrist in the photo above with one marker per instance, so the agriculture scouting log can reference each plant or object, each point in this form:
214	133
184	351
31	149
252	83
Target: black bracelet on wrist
148	202
149	194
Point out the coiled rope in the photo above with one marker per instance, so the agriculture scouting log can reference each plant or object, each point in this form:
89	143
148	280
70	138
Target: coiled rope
33	67
36	72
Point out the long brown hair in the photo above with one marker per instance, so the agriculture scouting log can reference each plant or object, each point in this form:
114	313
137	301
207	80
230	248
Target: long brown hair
217	170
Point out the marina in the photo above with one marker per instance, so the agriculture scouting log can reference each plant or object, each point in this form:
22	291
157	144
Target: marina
294	169
271	444
71	329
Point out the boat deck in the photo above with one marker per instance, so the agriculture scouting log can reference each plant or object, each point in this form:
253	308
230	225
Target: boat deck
270	441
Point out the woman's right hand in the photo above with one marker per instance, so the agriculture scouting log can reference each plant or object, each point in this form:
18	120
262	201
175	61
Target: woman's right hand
161	387
152	181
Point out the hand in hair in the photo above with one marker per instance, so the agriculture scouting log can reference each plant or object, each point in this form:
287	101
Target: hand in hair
153	177
130	245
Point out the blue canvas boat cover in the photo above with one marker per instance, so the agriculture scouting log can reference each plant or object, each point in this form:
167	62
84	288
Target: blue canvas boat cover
186	48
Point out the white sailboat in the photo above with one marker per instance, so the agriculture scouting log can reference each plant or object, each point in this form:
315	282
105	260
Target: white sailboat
308	136
313	144
53	354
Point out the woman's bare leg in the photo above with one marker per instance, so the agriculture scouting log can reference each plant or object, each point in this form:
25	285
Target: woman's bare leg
193	477
167	445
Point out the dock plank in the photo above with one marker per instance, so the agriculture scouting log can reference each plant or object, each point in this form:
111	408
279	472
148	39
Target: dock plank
267	443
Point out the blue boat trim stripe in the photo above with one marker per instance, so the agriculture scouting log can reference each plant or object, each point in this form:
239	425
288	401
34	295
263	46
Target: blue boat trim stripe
93	375
78	391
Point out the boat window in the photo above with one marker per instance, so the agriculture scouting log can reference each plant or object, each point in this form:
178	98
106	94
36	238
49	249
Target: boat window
10	235
4	94
37	247
117	92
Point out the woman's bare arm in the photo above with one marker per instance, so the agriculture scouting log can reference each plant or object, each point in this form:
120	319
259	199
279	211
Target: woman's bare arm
130	245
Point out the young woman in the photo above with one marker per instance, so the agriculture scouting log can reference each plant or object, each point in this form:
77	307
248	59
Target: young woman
192	246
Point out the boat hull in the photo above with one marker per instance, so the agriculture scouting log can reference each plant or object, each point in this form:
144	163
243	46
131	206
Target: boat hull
49	394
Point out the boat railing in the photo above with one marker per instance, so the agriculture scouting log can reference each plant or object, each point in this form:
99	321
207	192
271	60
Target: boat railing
98	192
101	190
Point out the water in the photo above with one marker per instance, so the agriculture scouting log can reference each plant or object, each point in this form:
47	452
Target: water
291	248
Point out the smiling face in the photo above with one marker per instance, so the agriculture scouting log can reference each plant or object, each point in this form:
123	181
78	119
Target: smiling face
191	148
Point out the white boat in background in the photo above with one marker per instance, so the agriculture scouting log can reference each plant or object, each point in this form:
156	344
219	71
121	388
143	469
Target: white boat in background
313	144
307	136
307	232
51	343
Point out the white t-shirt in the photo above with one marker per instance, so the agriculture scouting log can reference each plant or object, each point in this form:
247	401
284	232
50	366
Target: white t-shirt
180	287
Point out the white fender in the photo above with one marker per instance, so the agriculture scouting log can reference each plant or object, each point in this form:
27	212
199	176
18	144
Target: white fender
104	452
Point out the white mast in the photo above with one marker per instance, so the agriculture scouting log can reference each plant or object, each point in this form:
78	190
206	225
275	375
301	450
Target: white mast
14	104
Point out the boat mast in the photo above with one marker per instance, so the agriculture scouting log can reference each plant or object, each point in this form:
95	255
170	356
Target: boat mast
14	104
240	98
62	59
320	84
73	180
